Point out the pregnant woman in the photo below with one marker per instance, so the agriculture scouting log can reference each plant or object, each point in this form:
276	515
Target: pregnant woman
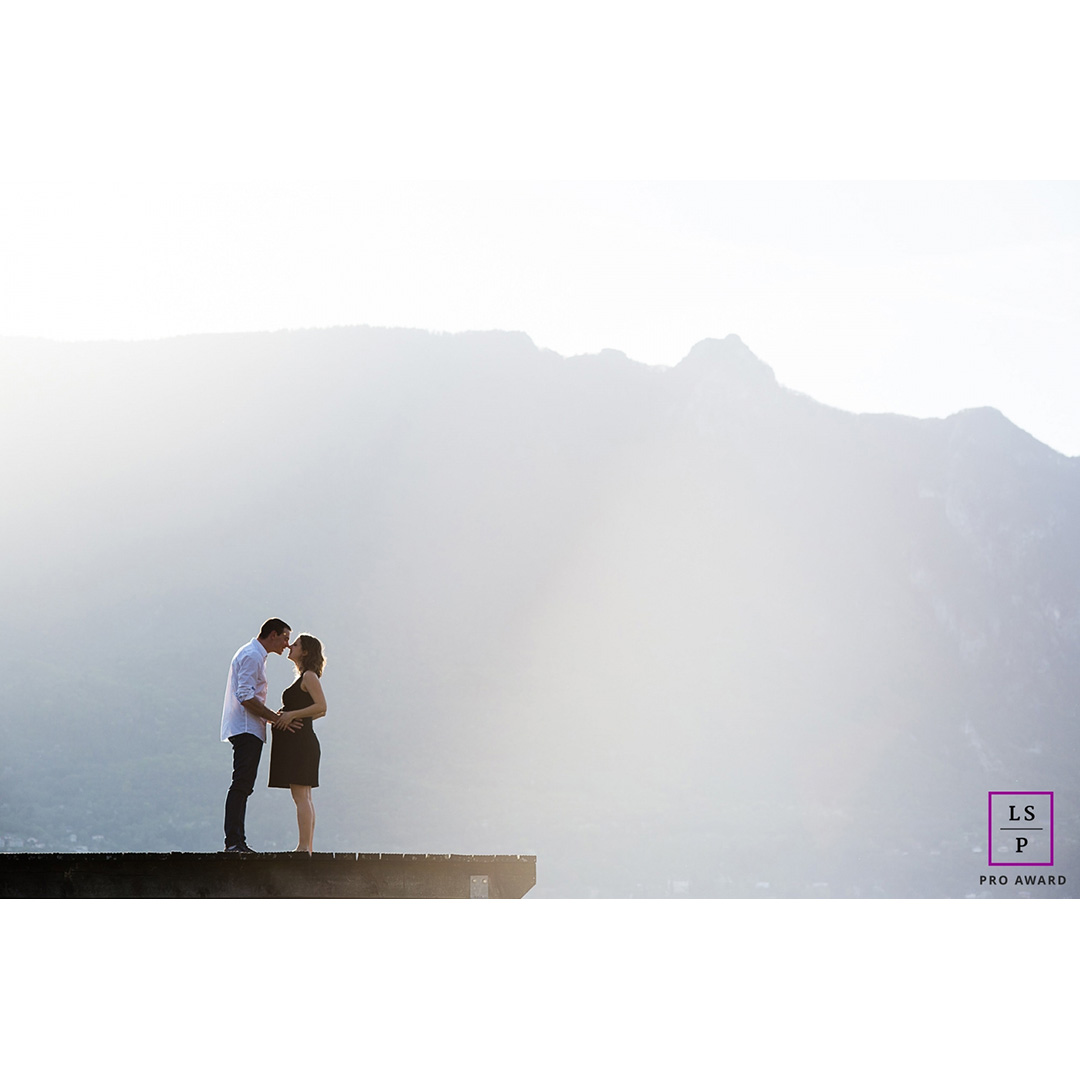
294	755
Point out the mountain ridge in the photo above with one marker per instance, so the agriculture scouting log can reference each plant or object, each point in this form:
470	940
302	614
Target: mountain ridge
715	357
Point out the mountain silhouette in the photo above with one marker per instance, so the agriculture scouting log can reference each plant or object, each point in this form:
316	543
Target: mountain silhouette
677	631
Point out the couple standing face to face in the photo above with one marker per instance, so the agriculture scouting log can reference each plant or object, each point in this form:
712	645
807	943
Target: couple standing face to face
246	717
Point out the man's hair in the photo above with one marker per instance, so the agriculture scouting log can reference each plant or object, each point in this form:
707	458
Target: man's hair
273	626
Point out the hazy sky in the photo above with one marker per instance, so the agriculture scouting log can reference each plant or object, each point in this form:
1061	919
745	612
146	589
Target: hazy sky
567	173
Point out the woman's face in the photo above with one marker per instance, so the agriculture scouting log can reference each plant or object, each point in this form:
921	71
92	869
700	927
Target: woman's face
296	653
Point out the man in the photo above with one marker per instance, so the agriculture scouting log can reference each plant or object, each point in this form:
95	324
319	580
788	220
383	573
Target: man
243	723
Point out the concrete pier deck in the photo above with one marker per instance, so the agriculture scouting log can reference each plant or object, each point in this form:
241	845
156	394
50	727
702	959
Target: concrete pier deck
189	875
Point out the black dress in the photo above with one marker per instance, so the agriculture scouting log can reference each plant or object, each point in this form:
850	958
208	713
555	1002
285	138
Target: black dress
294	755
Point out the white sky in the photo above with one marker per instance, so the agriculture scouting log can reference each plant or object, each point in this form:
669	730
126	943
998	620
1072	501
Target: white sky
588	173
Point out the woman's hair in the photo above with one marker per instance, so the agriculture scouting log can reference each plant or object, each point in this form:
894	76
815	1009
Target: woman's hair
313	659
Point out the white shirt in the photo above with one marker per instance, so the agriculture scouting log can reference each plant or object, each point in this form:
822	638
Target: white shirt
247	679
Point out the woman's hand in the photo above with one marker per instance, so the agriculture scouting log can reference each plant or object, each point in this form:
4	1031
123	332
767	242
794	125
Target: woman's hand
285	722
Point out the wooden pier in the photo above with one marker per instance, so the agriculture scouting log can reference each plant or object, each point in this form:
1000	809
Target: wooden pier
192	875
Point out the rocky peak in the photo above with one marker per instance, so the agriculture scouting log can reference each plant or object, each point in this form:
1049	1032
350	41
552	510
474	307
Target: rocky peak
729	361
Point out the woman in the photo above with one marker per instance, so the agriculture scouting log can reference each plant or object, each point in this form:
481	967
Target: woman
294	753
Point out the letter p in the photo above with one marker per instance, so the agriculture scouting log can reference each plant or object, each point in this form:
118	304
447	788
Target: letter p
1021	843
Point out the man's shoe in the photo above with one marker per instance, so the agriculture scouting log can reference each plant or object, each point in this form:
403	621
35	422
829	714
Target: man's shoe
240	849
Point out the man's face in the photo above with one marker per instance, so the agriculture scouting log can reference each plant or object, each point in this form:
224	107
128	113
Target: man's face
278	642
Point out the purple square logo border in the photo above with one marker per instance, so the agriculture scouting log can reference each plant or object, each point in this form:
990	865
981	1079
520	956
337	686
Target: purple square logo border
990	827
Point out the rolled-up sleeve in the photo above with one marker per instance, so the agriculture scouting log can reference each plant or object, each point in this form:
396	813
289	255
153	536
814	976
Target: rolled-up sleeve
247	682
246	676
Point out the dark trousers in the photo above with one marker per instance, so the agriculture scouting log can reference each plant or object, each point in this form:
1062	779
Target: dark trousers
247	749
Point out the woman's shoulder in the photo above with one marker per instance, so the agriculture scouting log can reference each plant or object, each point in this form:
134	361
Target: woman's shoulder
308	679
